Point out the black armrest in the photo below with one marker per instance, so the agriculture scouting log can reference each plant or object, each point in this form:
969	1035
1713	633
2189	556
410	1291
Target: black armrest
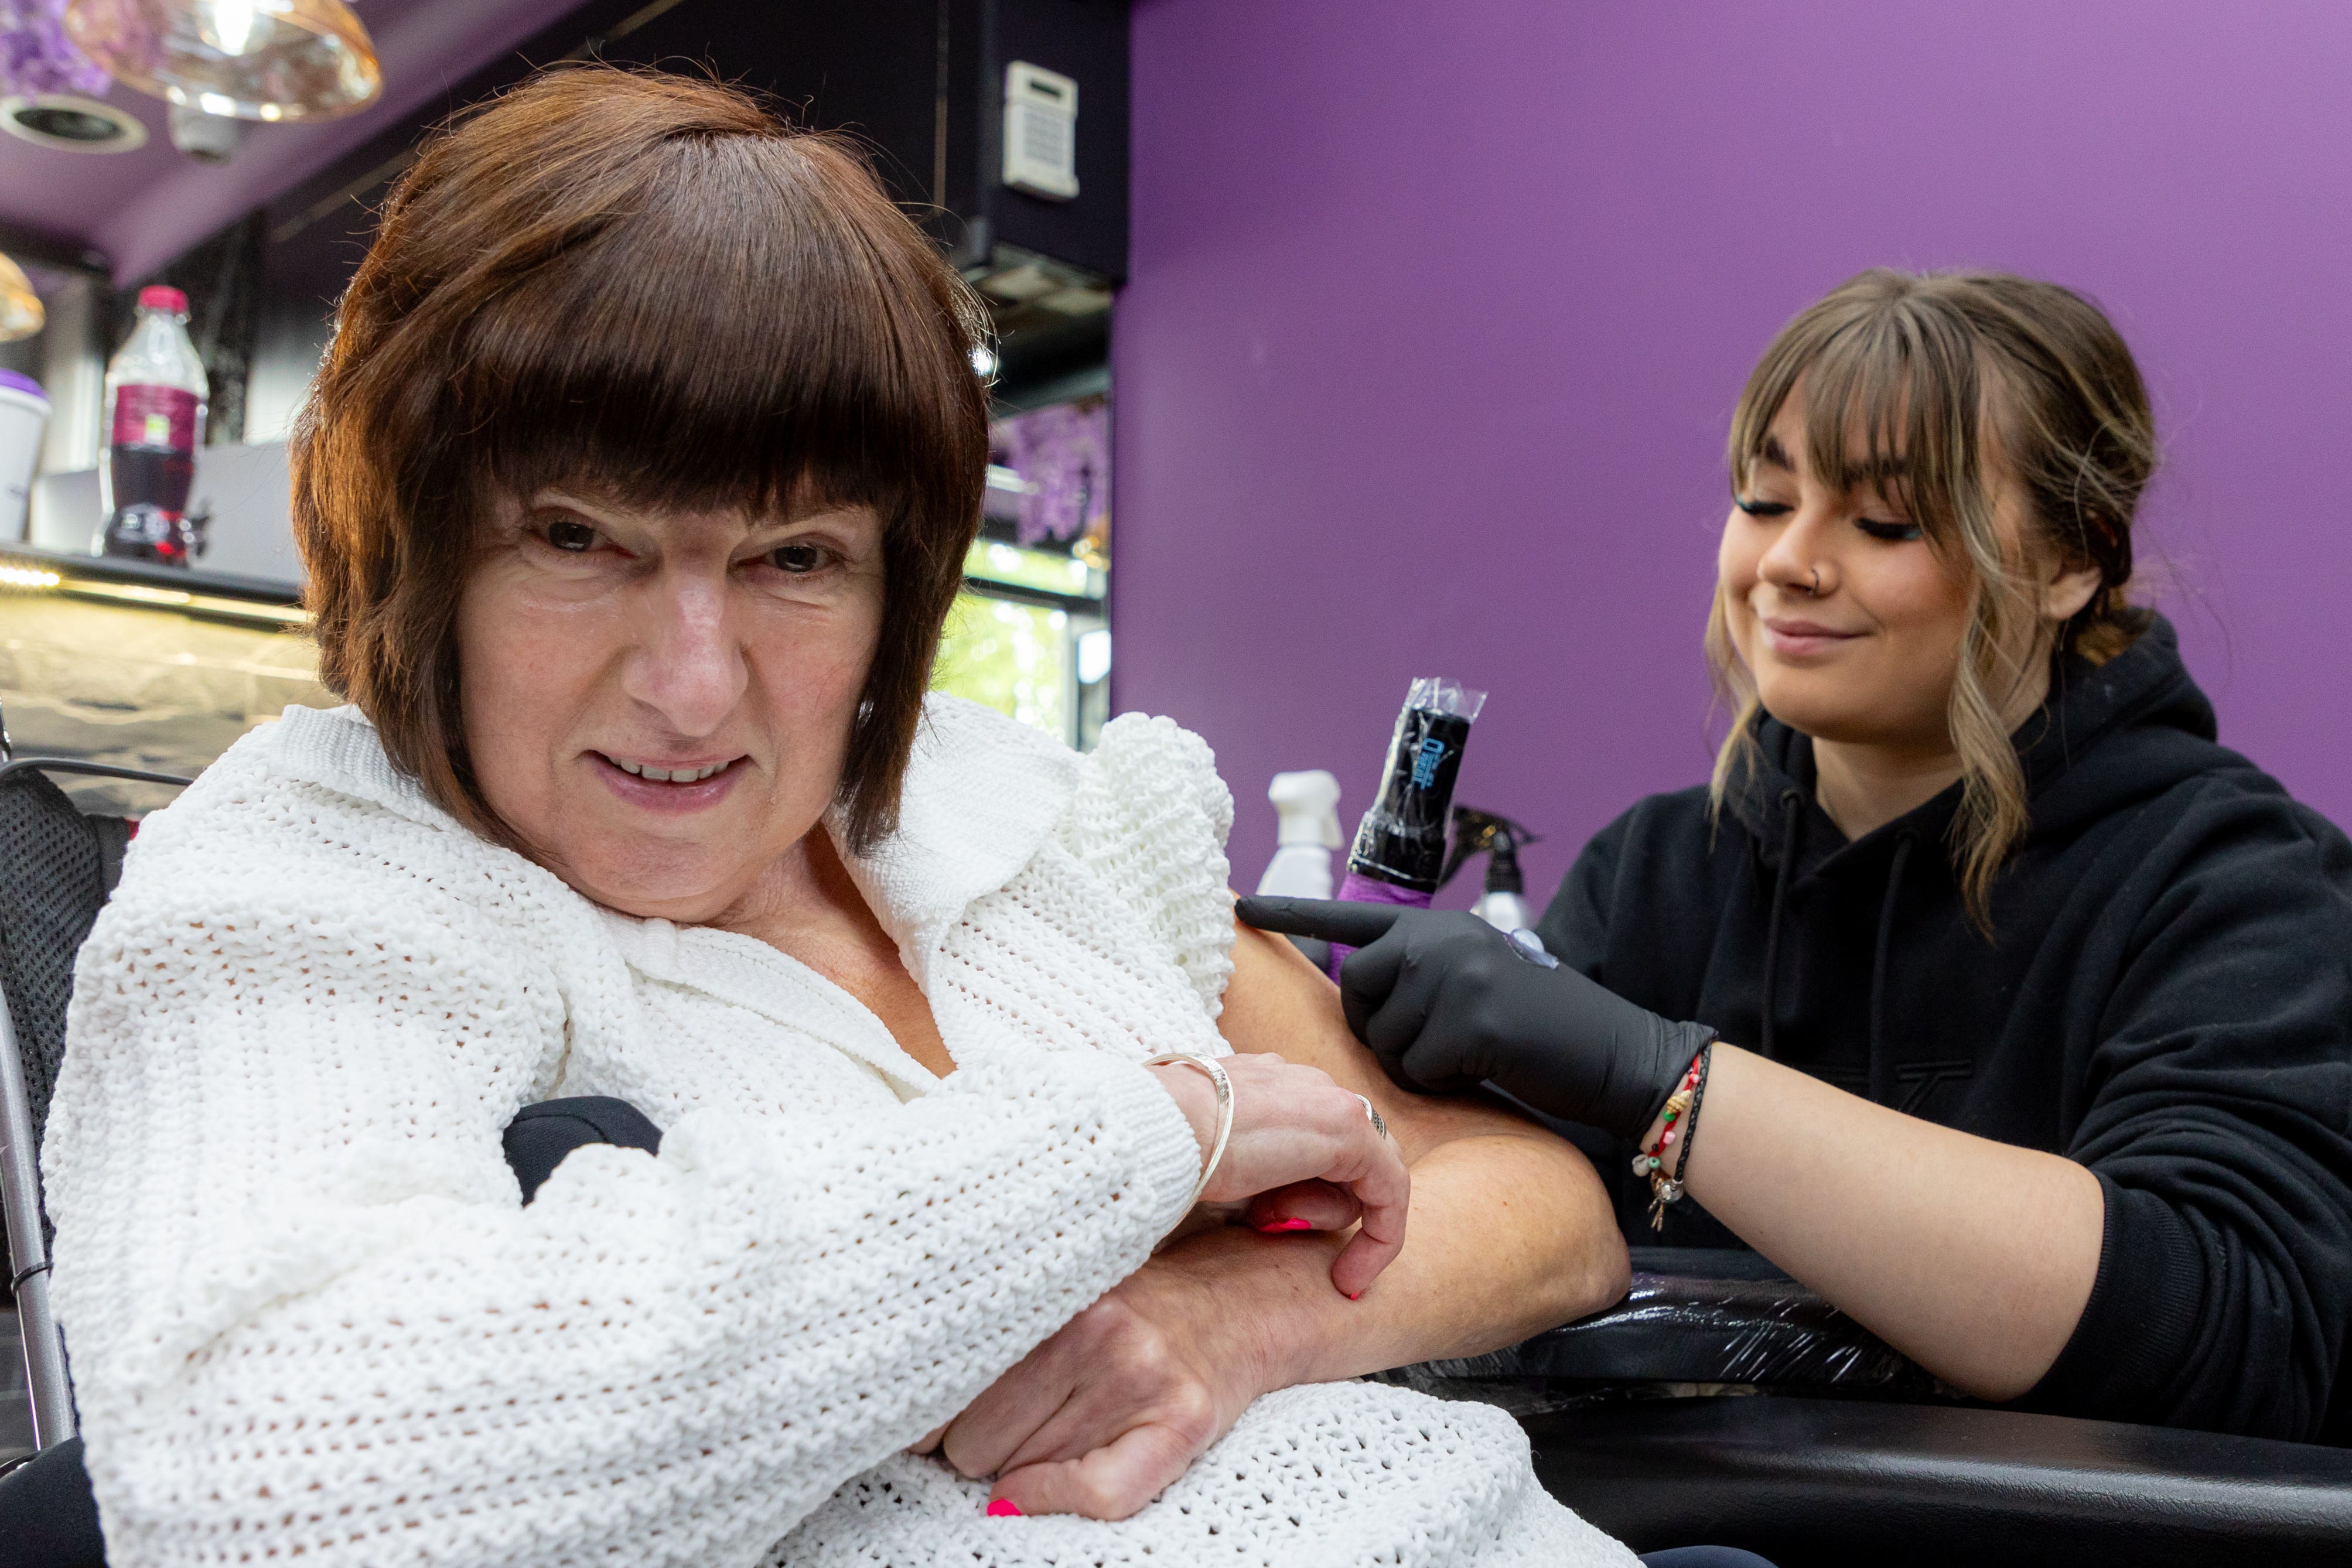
1819	1480
1806	1479
1695	1316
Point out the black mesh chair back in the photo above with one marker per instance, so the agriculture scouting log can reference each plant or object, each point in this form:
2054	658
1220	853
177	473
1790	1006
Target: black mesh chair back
56	868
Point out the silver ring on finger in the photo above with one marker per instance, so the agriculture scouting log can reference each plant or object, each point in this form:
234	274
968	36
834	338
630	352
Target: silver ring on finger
1377	1125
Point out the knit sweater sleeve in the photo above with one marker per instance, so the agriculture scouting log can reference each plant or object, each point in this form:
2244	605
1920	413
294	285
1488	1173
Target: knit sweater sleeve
309	1315
1150	818
2216	1122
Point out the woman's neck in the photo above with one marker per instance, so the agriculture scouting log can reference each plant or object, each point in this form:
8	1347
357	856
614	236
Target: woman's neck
807	890
808	907
1863	788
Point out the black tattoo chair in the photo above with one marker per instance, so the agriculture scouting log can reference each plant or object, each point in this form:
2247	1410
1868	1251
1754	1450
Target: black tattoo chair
1723	1401
56	868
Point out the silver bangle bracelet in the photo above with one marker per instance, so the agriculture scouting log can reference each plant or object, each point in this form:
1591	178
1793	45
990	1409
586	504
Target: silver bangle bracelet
1216	1071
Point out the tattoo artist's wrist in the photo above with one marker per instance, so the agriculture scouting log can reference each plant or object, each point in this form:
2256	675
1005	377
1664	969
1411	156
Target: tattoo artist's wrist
1701	1039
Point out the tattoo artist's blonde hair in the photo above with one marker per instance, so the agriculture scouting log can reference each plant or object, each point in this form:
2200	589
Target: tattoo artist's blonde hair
1909	381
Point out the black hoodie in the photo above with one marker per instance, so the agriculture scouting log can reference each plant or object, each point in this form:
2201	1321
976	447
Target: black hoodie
2166	998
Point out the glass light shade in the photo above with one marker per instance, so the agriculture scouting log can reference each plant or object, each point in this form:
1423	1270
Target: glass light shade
21	315
248	59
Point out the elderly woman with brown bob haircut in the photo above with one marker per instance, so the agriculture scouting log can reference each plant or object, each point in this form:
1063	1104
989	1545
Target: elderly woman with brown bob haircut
896	1041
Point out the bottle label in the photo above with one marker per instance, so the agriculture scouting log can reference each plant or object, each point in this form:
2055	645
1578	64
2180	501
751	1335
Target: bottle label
1402	839
155	416
1425	762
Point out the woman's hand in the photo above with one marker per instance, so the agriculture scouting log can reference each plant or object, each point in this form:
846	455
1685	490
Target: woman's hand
1100	1418
1515	1235
1292	1126
1446	1002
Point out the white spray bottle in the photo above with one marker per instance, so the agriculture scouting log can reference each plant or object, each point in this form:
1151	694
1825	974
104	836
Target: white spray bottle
1307	807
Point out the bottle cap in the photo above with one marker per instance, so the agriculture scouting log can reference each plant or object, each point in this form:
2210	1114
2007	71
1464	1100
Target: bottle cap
1304	805
156	297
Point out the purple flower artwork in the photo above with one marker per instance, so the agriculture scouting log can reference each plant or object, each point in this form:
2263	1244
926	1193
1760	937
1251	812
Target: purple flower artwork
1063	455
36	55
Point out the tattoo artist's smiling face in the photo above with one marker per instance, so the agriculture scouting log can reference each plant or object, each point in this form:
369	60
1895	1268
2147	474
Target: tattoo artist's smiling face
659	704
1849	618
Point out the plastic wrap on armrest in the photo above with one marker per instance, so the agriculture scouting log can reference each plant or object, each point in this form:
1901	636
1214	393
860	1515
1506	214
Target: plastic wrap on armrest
1699	1316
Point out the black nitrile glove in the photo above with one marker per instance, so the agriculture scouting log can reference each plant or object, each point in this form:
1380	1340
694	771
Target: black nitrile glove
1447	1002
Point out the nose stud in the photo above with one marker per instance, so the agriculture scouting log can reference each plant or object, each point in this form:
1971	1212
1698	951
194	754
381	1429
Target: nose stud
1814	589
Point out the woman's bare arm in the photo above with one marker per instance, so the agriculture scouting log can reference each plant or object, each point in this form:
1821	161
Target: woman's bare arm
1973	1258
1509	1232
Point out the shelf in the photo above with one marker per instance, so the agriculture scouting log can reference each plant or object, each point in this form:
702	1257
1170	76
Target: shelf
217	595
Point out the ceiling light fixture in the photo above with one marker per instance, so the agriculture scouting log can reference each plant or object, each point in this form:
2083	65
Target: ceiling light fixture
227	25
250	60
204	134
71	123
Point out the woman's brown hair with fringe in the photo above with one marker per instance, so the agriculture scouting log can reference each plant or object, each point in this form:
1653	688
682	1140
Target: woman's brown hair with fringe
653	288
1917	383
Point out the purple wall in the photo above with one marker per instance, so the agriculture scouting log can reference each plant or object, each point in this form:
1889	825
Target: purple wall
1438	313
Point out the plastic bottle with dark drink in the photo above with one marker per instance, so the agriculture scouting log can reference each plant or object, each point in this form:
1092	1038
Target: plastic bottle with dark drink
155	398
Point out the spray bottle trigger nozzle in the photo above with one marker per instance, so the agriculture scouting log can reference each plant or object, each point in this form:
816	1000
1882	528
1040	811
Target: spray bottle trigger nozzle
1307	808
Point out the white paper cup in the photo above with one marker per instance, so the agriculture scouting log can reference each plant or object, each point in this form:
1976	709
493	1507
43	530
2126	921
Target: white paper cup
24	415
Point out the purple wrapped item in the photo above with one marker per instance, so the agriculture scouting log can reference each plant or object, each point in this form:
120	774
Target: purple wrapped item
36	57
1357	888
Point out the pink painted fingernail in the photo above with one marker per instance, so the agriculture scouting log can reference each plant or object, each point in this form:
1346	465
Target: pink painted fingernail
1294	1223
1004	1508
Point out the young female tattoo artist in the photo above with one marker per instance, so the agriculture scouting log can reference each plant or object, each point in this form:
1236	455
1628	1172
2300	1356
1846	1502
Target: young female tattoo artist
2030	1002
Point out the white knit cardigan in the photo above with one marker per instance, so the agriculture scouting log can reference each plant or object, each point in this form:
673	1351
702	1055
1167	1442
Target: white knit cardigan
309	1315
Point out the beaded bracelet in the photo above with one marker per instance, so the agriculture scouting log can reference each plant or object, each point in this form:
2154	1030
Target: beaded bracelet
1667	1191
